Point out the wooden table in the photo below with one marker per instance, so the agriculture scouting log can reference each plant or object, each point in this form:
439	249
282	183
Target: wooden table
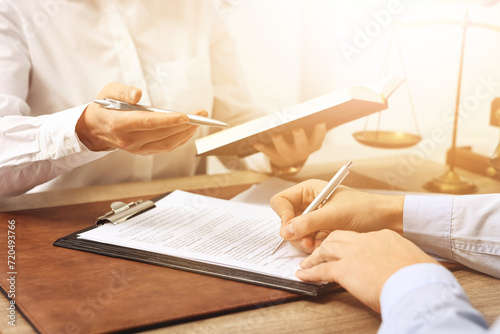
338	312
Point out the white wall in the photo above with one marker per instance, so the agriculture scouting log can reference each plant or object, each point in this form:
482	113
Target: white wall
269	37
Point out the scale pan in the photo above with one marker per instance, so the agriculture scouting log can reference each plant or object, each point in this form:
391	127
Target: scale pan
386	139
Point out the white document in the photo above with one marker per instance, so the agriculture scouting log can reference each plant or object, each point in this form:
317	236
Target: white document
209	230
260	194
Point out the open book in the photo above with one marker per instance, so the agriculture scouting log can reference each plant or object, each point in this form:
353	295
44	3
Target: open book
335	108
204	235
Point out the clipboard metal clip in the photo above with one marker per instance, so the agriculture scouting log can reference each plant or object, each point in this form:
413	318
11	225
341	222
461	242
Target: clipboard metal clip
120	211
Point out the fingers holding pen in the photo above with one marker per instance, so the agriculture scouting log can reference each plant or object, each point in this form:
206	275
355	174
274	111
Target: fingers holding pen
309	224
139	132
130	121
168	143
293	201
163	138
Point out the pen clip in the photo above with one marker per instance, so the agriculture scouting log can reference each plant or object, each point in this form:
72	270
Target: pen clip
333	190
105	103
120	105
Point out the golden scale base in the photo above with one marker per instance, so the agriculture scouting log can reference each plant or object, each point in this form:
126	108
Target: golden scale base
451	182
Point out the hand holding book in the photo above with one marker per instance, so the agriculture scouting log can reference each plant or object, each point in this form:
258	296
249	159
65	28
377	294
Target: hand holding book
288	156
334	109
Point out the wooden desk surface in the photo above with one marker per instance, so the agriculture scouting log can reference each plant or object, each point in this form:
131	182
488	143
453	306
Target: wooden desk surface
334	313
111	192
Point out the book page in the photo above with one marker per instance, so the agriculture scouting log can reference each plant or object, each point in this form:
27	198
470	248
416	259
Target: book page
335	108
208	230
386	86
271	122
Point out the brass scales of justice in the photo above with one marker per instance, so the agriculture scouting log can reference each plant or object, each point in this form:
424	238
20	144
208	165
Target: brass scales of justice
450	182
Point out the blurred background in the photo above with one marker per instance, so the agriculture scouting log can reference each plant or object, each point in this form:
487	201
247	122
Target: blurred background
295	50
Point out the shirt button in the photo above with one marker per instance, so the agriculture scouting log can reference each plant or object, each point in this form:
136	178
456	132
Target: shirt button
52	151
68	144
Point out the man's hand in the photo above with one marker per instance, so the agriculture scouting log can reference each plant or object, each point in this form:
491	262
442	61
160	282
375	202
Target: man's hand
139	132
361	262
285	154
347	209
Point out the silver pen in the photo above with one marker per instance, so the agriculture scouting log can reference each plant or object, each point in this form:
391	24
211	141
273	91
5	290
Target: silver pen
323	196
193	119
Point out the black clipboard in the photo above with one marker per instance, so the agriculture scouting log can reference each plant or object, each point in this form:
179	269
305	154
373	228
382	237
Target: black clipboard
121	211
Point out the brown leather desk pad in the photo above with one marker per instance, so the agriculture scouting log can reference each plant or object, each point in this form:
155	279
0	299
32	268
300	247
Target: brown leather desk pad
61	290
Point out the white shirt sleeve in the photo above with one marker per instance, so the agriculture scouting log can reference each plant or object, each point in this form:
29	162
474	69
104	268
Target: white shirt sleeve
464	229
426	298
33	149
40	84
37	149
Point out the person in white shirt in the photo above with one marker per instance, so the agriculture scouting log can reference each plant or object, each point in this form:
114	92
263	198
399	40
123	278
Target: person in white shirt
356	239
56	56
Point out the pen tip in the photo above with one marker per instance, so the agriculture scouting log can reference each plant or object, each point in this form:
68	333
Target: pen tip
282	242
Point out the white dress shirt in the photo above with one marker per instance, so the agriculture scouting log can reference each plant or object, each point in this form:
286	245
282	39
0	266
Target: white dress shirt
465	229
55	57
426	298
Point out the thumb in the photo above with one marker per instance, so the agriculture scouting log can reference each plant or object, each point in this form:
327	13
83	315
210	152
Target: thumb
121	92
200	112
305	225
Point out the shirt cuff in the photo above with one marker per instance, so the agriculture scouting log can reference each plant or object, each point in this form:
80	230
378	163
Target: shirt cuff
410	278
58	139
426	298
427	222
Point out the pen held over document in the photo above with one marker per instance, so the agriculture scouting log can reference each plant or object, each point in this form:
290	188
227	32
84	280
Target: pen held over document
323	196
